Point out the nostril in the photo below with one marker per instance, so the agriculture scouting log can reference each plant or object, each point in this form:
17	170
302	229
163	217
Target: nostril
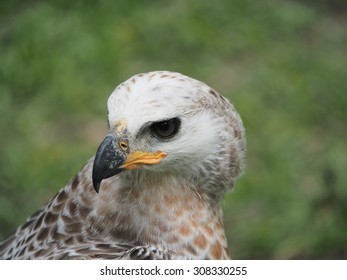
123	145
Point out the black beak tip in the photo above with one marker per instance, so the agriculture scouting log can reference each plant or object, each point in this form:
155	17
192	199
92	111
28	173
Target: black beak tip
96	178
96	186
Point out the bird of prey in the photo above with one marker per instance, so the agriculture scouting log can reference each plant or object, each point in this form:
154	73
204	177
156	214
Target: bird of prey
153	190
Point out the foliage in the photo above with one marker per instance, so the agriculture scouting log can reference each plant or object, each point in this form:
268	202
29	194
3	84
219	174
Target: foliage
282	64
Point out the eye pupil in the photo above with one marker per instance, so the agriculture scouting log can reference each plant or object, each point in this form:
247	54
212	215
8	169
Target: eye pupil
164	126
166	129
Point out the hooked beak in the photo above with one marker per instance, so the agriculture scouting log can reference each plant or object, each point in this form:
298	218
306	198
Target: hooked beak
113	156
108	160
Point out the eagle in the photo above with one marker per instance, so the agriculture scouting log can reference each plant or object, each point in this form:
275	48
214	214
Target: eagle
174	147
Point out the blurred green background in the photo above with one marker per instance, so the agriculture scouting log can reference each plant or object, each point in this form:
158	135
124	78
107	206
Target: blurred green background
282	63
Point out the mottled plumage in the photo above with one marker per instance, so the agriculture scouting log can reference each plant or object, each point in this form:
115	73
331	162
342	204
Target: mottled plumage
175	146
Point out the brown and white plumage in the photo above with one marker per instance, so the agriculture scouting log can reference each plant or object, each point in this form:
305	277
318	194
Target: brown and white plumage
175	146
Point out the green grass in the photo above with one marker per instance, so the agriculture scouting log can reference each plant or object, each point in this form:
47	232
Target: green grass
282	64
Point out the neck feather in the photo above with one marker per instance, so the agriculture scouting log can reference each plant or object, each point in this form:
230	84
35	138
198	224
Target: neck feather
168	213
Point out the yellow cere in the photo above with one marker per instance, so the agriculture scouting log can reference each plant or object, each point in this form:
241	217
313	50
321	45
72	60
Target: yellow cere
120	125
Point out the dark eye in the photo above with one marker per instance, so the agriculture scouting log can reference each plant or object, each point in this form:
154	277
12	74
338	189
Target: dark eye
166	129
